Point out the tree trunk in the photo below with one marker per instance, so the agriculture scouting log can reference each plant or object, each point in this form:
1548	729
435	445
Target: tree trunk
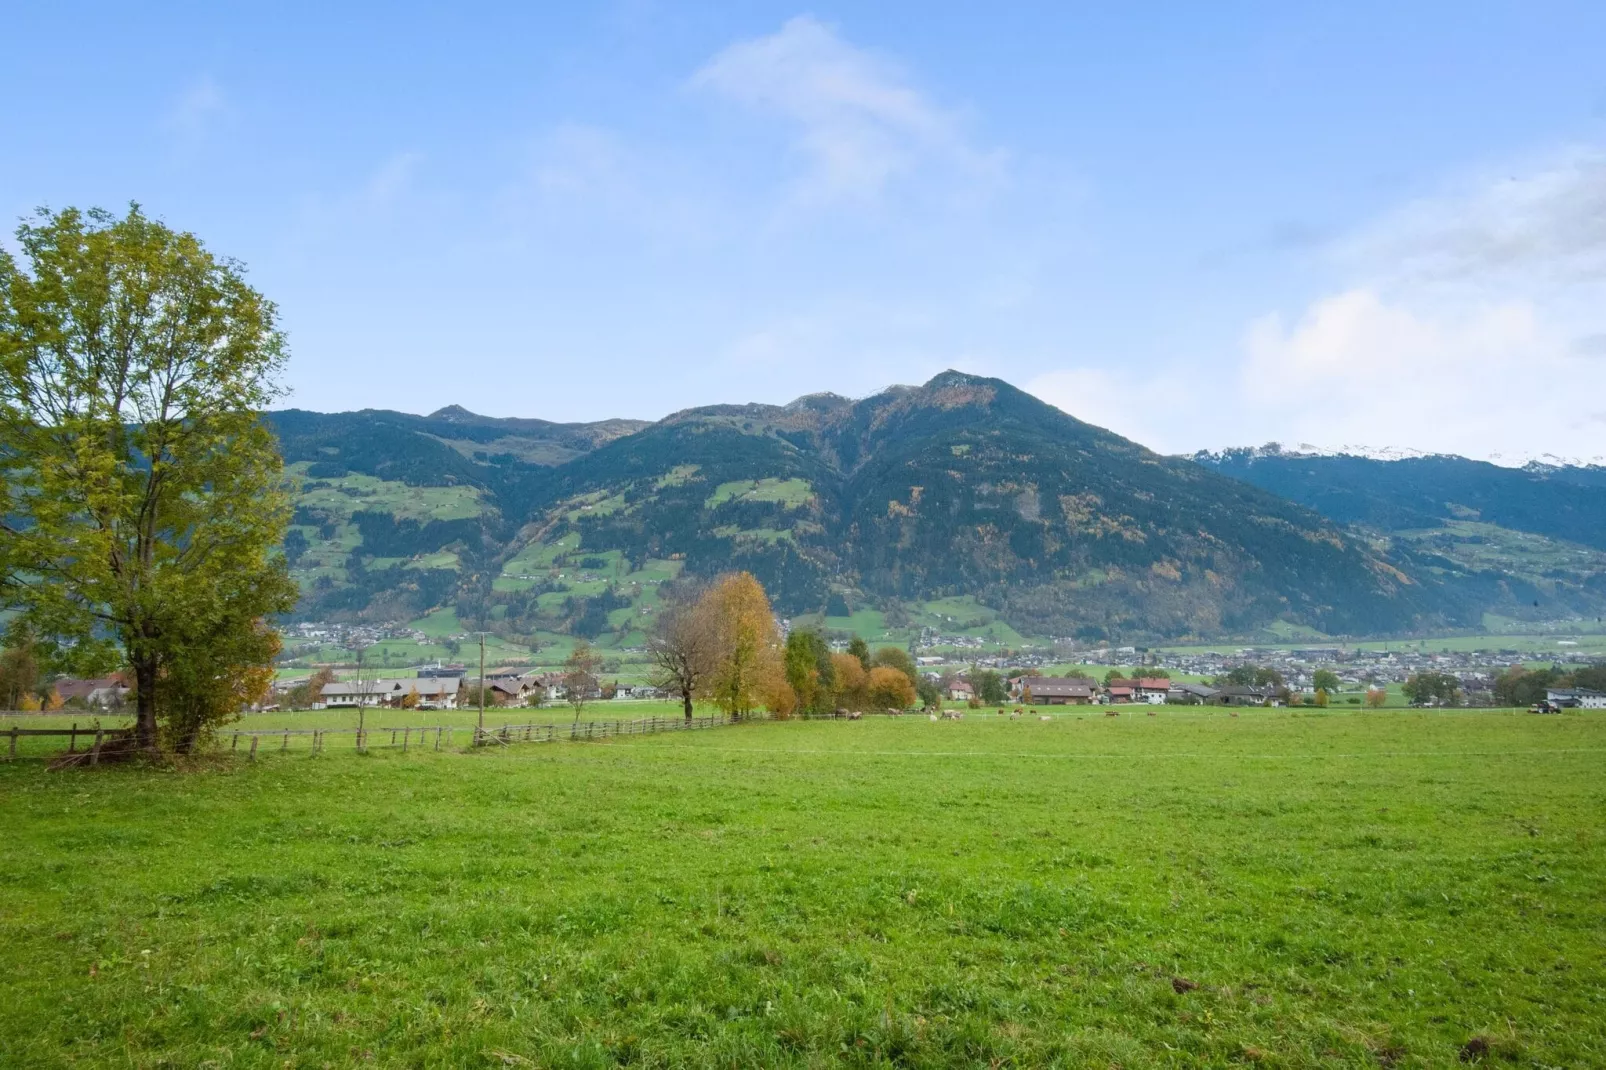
145	703
685	700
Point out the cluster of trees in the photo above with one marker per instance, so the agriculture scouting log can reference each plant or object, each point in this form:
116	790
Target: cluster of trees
1436	688
1519	686
722	646
142	498
1252	676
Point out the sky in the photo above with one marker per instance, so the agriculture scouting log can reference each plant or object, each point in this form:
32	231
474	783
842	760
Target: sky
1359	224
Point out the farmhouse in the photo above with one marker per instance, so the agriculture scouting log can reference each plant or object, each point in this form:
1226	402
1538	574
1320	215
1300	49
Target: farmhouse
1055	690
1190	694
961	691
1247	696
100	691
1153	691
1576	698
433	694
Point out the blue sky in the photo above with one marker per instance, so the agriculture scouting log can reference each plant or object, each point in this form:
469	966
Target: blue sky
1377	224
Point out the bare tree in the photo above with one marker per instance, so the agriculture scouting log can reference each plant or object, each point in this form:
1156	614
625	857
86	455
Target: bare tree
580	675
684	647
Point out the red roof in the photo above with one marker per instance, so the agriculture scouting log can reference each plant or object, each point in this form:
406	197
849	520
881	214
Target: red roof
1157	684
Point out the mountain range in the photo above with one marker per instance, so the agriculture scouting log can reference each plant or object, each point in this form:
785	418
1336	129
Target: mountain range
961	505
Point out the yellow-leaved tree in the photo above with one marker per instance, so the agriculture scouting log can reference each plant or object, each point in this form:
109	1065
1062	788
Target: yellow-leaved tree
746	668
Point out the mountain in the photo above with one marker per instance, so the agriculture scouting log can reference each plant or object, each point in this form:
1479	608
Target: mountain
1525	542
963	503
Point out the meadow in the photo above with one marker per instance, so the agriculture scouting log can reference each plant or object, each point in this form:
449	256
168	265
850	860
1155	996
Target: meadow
1280	888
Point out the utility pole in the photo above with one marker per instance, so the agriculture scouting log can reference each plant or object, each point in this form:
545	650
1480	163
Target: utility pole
482	685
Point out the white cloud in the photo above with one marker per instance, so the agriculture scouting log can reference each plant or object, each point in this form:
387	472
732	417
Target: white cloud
1477	380
859	120
1467	326
196	109
1546	224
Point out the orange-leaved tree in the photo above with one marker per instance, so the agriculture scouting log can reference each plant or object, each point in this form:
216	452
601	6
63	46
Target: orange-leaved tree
747	644
889	689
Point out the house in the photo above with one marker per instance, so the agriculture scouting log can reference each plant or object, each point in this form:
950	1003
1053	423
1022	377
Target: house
961	691
433	694
1054	690
99	691
1190	694
1248	696
1121	692
1570	698
1153	691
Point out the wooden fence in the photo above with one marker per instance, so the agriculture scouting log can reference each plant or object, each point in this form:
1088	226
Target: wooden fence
408	737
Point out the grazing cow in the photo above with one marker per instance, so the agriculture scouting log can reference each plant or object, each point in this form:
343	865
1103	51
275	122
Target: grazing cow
855	716
1015	716
933	716
1045	717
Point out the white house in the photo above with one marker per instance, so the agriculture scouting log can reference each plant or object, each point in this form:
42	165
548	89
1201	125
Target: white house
1576	698
433	694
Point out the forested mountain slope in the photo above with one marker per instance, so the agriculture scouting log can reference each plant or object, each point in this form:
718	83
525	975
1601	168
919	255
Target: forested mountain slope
1525	542
964	488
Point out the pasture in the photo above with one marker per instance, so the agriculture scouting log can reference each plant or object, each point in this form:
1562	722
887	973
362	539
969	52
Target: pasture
1282	888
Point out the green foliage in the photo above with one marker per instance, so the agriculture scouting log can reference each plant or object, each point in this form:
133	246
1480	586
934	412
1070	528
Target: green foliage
1325	680
989	685
807	659
1518	686
143	495
897	658
861	650
1440	688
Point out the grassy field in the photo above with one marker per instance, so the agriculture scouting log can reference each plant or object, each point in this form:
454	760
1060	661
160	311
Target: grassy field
1279	888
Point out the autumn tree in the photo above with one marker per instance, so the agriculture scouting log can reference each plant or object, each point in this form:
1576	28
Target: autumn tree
1376	697
580	675
682	648
889	689
894	657
142	498
850	679
304	694
747	644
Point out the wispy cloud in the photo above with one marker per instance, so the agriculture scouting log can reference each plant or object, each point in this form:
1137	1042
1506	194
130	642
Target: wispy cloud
196	110
858	119
1546	221
1470	322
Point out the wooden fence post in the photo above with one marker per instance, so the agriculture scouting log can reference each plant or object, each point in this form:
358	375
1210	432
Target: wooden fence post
13	741
407	734
286	744
236	744
253	746
94	756
72	740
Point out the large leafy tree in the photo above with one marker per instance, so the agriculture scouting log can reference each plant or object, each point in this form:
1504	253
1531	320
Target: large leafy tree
747	663
141	497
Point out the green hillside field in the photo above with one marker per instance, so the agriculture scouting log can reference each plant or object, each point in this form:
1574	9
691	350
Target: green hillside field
1278	888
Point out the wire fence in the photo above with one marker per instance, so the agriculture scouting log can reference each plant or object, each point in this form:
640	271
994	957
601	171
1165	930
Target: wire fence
253	741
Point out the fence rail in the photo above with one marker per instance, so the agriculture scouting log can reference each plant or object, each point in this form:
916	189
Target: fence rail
403	738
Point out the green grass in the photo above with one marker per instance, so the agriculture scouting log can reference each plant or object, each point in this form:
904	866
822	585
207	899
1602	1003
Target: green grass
789	492
1344	889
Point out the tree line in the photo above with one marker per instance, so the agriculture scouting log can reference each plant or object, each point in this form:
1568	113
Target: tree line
723	645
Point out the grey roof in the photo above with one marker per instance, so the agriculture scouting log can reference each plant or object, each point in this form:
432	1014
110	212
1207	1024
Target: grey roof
1058	686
